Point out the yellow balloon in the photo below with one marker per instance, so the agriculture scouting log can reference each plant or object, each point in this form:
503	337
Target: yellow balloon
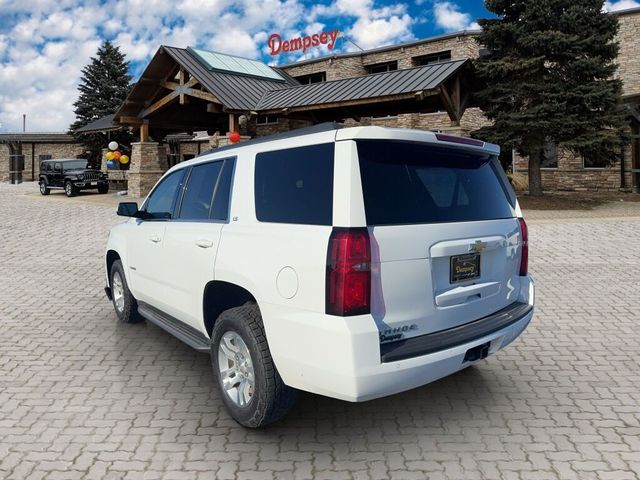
124	159
110	156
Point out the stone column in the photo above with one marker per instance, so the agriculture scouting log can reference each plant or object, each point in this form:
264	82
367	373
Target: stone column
146	167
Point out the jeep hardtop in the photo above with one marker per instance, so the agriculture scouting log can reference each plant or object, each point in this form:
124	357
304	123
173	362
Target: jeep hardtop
348	262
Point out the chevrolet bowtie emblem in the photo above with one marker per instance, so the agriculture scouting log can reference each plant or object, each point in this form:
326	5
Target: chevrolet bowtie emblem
477	247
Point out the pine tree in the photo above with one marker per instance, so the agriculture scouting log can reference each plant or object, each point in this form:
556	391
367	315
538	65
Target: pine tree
104	85
549	77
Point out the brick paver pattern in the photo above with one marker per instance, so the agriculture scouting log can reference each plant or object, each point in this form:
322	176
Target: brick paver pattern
83	396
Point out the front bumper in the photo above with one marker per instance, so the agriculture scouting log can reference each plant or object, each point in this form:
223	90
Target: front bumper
341	357
91	184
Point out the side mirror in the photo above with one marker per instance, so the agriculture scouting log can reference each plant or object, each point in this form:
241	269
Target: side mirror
128	209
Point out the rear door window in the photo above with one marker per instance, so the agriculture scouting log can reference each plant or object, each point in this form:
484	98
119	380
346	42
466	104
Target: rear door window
413	183
295	185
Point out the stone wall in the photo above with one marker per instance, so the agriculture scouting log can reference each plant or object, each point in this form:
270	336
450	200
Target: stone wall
629	57
148	163
461	47
571	176
33	151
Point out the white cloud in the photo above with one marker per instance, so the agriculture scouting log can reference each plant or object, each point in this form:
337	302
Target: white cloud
44	44
374	26
620	5
449	17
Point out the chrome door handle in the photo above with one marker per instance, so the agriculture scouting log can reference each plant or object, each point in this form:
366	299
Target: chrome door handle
154	238
204	243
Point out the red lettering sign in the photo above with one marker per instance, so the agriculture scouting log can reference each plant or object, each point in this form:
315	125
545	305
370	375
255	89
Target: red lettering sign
277	44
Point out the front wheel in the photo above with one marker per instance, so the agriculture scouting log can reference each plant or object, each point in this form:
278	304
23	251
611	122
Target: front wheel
248	381
44	190
124	303
103	188
69	189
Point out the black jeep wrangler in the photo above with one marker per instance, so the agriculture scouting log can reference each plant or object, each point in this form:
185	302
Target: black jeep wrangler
72	175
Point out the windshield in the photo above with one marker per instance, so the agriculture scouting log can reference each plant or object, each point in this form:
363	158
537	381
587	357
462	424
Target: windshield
411	183
75	165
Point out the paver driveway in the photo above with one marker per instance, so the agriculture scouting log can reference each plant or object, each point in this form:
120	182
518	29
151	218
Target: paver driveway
82	396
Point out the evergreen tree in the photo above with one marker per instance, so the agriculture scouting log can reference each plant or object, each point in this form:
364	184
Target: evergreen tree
103	87
549	77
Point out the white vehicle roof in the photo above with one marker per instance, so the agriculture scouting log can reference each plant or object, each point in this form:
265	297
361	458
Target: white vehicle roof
331	132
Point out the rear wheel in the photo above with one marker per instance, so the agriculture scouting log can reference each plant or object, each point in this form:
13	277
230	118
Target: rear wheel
69	189
124	303
247	378
44	189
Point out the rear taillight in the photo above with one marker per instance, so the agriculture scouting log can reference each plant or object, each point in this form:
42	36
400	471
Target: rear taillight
524	259
349	272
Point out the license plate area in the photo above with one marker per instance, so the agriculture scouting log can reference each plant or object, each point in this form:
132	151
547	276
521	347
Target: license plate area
464	267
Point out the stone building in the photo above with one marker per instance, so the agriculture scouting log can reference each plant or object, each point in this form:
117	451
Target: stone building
35	147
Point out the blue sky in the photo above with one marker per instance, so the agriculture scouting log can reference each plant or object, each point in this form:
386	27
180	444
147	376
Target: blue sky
45	43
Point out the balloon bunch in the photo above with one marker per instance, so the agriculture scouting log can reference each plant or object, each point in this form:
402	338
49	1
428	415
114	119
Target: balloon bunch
113	156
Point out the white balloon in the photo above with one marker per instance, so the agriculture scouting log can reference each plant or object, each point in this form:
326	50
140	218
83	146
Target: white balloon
113	145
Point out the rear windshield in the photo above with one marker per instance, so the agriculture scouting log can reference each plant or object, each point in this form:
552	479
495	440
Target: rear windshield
410	183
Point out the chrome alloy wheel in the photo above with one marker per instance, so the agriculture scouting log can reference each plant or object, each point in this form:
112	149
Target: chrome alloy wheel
236	369
68	188
118	292
43	187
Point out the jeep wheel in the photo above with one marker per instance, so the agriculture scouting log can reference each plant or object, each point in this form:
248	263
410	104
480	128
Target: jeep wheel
69	189
247	379
124	303
103	188
44	190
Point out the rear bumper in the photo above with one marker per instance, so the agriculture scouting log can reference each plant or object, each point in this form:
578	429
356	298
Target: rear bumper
342	357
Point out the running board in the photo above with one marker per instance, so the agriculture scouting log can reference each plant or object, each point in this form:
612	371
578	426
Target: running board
175	327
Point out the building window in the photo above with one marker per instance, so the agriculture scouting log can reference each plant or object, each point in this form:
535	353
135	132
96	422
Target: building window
382	67
437	57
589	161
187	156
312	78
266	120
549	156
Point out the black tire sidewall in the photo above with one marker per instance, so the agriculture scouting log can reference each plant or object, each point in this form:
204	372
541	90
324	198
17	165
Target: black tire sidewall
129	313
228	322
69	192
44	190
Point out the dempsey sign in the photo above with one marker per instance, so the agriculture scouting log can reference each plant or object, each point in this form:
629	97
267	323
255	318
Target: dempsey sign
277	44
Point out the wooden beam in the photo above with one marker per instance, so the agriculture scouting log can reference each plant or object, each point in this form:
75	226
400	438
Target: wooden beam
144	131
456	97
233	122
449	106
181	92
133	121
159	104
192	92
175	85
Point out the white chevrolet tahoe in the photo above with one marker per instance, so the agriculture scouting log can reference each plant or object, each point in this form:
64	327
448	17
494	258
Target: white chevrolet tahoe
349	262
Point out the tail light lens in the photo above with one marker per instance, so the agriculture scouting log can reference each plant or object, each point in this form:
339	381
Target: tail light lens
524	259
349	272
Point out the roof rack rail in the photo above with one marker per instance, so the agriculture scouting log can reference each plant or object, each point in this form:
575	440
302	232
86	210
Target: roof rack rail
298	132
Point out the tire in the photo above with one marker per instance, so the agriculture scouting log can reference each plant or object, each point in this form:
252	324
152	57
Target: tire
127	310
44	190
69	189
271	399
103	188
